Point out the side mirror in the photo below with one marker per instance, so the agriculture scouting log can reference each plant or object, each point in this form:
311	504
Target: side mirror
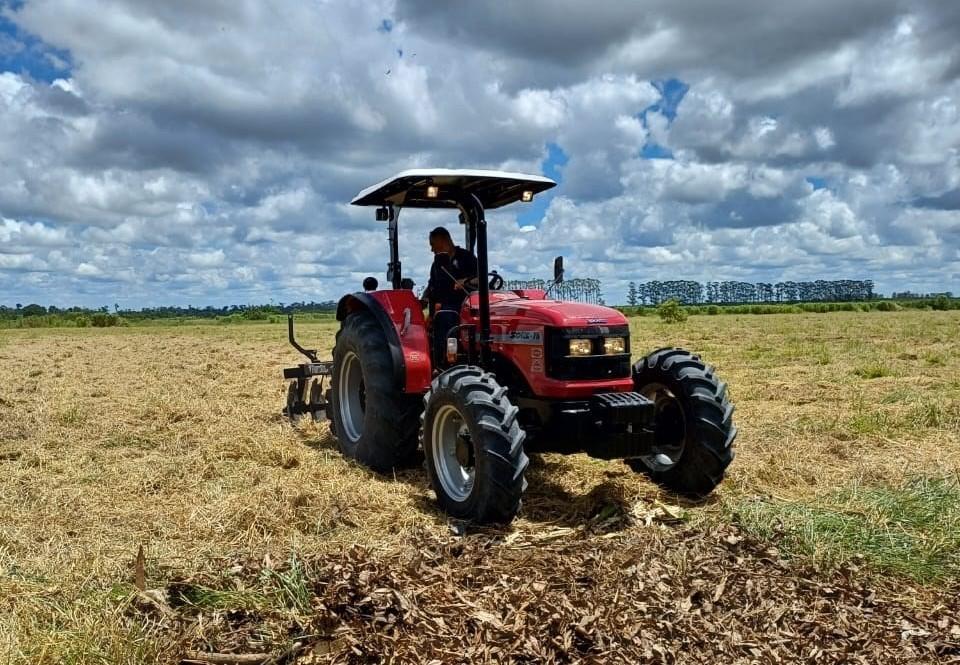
558	270
382	214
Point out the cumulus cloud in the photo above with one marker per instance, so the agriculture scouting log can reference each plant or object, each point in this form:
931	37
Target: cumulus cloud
206	152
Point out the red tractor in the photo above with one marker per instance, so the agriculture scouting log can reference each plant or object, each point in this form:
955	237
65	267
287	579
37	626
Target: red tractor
514	370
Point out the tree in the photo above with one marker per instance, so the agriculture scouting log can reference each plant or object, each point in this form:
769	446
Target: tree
632	294
671	312
33	310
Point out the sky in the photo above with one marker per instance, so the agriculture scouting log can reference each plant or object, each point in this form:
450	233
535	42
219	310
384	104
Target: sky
195	153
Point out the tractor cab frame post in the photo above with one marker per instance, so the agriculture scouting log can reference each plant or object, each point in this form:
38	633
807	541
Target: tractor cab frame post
394	268
473	213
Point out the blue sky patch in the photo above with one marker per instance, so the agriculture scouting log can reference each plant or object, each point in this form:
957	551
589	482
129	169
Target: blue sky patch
655	151
671	92
817	182
25	54
556	159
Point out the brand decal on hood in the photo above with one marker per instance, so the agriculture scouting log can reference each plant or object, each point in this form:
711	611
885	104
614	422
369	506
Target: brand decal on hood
519	337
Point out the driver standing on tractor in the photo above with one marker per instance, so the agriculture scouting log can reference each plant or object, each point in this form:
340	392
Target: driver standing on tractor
453	273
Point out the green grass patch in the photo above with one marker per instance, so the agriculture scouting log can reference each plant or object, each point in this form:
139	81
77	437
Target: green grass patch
802	350
934	359
899	395
870	422
911	530
936	415
71	416
288	588
87	628
291	586
820	354
217	599
873	371
131	440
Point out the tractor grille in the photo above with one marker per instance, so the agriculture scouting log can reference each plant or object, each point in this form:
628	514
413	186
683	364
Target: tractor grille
593	367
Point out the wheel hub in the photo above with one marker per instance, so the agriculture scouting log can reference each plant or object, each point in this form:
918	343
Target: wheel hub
464	447
452	452
670	428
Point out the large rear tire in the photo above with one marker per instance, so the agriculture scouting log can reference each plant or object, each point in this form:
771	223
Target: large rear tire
374	422
474	446
694	422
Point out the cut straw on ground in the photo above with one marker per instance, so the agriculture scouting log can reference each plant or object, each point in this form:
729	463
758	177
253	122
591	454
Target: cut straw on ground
171	438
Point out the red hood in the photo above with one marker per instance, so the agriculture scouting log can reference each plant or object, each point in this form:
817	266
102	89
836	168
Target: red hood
552	312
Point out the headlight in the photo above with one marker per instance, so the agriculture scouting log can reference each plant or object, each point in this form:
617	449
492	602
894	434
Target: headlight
612	345
581	347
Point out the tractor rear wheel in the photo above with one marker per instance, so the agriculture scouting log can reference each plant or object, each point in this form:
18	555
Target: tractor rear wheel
694	429
374	422
474	446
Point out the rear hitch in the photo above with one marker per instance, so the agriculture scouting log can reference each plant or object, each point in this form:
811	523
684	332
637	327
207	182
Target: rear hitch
305	393
309	353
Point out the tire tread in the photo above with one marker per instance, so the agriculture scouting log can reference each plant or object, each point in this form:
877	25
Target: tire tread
708	449
500	479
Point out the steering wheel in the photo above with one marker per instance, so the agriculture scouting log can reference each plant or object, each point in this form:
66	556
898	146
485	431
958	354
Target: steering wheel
495	283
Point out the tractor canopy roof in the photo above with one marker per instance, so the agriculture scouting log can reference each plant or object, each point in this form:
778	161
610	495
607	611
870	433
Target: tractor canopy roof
440	188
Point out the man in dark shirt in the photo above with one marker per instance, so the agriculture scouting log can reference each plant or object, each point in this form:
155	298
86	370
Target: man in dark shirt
452	275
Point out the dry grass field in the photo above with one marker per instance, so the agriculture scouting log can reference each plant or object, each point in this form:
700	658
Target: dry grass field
842	510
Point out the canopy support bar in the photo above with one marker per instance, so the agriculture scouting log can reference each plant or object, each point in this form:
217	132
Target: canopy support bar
472	210
393	268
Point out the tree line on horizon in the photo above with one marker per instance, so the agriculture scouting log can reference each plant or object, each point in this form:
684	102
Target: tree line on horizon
587	290
688	292
252	312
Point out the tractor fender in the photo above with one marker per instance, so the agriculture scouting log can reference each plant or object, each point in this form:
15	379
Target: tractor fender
400	316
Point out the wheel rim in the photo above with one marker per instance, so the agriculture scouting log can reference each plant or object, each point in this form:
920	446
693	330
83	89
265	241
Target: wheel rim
453	453
352	398
670	428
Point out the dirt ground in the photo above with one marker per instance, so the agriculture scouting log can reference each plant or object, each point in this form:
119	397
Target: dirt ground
260	538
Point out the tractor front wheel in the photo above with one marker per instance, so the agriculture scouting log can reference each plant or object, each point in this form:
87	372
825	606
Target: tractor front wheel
693	425
474	446
374	422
